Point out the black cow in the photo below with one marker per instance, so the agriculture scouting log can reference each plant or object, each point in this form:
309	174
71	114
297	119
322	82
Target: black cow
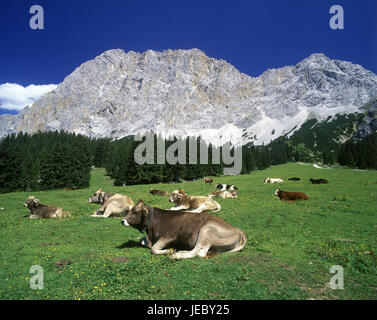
318	181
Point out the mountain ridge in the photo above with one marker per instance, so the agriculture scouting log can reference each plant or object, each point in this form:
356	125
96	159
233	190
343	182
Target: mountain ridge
185	92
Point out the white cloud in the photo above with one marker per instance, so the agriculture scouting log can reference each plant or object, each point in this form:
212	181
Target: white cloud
15	97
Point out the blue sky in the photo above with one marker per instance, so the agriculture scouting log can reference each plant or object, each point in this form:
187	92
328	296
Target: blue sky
251	35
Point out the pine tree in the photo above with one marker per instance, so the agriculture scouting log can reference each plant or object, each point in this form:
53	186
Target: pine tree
10	165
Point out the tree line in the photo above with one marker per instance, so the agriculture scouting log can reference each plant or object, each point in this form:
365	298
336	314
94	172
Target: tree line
120	163
121	166
47	160
360	154
52	160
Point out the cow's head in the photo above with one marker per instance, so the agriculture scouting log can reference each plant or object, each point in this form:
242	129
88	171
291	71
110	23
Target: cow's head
31	202
277	192
176	197
219	186
232	188
181	191
137	216
234	194
98	197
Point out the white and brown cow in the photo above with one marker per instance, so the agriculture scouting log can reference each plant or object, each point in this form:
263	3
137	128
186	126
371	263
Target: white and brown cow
38	210
100	197
223	194
191	234
193	203
273	180
113	205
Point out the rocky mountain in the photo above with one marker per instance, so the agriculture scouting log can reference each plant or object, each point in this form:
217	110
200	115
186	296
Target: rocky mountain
7	124
186	93
368	124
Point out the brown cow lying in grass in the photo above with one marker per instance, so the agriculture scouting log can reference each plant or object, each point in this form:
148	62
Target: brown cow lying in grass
193	203
208	180
100	197
290	196
158	192
196	232
115	205
38	210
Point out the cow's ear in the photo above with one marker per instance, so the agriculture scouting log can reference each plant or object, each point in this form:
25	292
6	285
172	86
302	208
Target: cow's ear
36	202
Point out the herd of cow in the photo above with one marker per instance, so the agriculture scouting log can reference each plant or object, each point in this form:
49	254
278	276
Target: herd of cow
186	227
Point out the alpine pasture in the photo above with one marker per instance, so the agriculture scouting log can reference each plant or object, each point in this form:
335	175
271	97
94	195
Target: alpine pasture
290	250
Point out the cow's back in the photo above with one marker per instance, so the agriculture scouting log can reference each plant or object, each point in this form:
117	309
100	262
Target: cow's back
195	201
121	200
46	212
182	227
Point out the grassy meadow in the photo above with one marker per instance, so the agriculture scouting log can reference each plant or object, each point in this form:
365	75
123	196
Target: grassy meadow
290	250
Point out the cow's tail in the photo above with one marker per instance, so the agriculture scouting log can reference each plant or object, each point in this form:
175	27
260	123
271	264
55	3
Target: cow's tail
218	207
241	242
66	214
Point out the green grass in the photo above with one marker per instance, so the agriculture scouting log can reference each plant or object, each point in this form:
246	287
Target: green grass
290	251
